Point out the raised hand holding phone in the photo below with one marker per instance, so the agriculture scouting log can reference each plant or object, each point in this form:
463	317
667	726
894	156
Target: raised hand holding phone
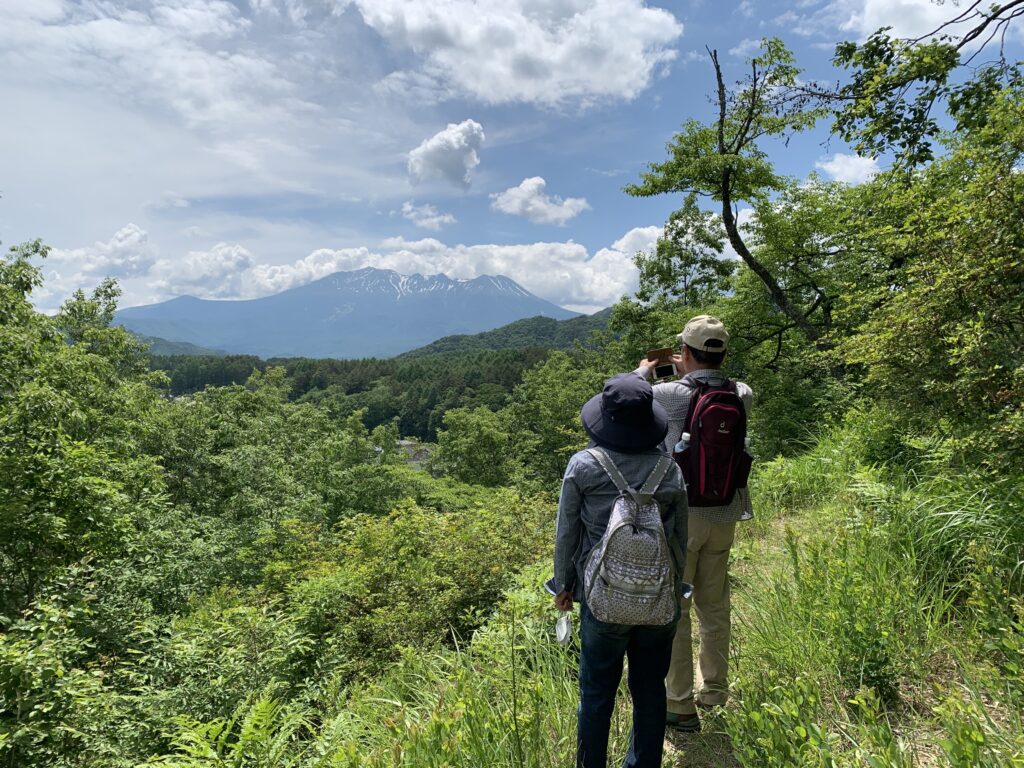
664	368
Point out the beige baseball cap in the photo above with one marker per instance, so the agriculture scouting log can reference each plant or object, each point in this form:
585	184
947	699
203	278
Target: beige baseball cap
705	333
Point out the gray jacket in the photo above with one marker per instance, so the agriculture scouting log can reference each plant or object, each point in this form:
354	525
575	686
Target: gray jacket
586	502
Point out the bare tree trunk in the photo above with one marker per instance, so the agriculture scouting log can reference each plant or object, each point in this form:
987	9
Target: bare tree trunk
732	229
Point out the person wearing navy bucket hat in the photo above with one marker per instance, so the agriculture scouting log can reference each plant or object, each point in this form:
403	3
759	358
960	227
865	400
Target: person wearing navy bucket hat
625	416
622	472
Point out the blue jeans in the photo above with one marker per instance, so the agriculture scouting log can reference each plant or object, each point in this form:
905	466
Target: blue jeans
602	648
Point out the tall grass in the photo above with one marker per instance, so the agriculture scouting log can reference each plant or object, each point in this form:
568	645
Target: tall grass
894	633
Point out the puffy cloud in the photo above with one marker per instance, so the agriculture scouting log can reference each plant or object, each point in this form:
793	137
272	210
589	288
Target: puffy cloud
127	254
426	216
214	274
274	278
850	169
450	154
502	51
530	200
565	273
638	239
561	272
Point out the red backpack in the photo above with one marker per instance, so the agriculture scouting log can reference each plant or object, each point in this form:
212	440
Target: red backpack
715	462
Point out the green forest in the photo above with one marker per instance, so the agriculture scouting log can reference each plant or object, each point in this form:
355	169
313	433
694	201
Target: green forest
201	574
415	389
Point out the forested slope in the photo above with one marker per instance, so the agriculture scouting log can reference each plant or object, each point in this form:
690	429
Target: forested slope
416	388
544	332
415	393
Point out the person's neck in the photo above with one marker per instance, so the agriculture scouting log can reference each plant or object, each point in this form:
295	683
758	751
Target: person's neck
691	366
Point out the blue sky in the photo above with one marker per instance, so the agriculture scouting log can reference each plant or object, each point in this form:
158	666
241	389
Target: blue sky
235	149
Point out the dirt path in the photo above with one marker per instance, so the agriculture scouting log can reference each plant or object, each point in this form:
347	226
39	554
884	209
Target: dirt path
759	550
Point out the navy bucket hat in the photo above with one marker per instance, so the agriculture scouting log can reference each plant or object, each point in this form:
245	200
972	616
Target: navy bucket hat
625	416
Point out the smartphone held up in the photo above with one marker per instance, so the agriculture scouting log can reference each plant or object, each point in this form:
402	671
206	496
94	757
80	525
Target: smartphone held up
664	368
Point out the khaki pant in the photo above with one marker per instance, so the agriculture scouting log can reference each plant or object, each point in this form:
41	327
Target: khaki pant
707	568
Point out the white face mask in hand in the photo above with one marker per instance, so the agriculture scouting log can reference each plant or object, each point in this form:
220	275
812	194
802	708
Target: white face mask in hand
563	629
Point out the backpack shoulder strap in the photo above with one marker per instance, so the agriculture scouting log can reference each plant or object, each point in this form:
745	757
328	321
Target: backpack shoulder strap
692	382
610	469
654	479
613	472
697	388
650	484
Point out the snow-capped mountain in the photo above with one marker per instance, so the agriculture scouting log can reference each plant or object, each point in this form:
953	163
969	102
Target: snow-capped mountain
364	313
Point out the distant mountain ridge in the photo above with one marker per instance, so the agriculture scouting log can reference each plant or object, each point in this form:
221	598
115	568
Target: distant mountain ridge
165	348
542	332
362	313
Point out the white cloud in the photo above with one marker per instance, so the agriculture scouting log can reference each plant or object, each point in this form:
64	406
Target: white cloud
211	17
296	10
907	18
177	55
745	8
450	154
638	239
501	51
43	10
426	216
214	274
274	278
169	201
850	169
127	254
745	48
530	200
121	101
562	272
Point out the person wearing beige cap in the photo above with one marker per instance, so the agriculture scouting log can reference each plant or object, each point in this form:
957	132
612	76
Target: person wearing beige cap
703	344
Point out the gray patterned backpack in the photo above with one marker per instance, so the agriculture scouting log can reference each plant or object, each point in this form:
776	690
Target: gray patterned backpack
629	577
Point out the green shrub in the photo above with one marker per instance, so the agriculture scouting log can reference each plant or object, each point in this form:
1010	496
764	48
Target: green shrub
778	725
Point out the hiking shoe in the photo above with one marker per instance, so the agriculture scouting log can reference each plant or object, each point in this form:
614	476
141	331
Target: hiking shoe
683	723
